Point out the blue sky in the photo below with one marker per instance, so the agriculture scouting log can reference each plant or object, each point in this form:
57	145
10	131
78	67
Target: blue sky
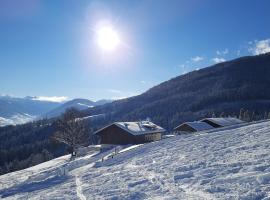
48	48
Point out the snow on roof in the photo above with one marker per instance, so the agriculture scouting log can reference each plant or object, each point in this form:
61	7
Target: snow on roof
228	121
198	126
137	128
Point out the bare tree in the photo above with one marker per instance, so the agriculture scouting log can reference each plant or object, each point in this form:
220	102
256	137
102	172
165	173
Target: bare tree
71	130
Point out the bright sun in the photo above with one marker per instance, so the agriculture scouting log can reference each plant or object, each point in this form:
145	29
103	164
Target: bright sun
107	38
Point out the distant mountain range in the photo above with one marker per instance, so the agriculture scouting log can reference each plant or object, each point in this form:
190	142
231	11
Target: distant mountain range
14	110
222	88
79	104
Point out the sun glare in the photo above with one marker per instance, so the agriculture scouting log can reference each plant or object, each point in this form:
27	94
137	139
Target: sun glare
107	38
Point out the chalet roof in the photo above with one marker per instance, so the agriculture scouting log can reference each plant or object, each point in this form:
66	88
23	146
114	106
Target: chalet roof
137	128
228	121
198	126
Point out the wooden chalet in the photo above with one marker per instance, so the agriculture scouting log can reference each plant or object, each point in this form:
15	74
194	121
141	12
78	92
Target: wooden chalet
222	122
190	127
129	133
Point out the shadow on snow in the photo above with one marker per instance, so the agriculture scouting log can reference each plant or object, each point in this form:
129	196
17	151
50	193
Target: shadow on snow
33	186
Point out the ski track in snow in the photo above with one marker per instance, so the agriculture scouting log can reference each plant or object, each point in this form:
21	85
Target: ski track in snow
79	188
230	163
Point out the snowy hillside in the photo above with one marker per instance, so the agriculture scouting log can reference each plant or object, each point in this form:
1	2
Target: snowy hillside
221	164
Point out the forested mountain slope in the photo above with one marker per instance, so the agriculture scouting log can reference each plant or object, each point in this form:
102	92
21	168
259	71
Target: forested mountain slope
226	87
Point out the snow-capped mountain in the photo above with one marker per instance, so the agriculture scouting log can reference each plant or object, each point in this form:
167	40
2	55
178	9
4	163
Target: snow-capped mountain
226	163
14	110
79	104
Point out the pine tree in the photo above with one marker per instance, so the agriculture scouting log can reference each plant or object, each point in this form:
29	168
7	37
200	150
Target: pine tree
246	116
36	159
252	117
241	114
46	155
222	114
265	115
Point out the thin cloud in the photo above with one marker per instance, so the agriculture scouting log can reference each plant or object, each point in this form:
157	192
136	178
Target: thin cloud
222	52
129	94
218	60
197	59
118	94
143	82
115	91
182	66
51	99
259	47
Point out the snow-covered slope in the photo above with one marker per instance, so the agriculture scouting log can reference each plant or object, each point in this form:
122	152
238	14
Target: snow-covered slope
221	164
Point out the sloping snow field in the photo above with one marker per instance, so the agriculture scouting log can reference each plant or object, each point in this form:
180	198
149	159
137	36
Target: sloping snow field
224	164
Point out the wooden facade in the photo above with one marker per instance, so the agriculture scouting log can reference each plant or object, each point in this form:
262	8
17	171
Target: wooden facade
116	135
